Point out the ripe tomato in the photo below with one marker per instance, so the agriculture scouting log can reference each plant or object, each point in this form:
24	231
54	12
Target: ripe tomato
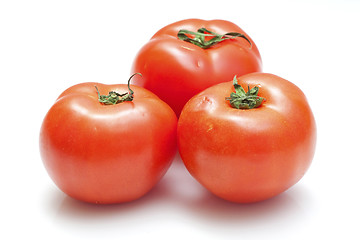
251	154
107	153
177	64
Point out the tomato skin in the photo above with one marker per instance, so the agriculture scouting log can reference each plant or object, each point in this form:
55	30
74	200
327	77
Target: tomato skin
248	155
107	153
176	70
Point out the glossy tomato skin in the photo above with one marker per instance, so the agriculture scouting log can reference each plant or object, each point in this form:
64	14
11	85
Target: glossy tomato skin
176	70
248	155
107	153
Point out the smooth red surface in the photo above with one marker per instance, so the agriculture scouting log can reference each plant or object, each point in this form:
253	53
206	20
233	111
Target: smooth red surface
176	70
107	153
248	155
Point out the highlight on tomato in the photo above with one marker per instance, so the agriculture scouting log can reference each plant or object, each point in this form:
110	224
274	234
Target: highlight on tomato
107	143
249	139
188	56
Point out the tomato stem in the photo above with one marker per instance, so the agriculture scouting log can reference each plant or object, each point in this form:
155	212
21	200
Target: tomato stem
114	97
199	37
244	100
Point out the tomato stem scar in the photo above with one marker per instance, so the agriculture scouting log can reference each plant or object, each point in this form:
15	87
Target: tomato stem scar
244	100
199	37
114	98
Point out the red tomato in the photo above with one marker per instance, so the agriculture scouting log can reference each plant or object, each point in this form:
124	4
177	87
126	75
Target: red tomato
248	155
175	70
107	153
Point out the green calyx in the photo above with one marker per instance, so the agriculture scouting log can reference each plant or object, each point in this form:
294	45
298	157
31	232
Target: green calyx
244	100
199	37
114	98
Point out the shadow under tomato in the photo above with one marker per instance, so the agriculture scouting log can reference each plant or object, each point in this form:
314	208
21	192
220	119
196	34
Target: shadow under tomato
74	209
217	208
290	209
293	207
176	196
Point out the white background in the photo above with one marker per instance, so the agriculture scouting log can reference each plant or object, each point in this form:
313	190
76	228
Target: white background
47	46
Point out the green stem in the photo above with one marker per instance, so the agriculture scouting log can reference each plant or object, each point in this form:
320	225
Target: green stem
114	97
244	100
199	37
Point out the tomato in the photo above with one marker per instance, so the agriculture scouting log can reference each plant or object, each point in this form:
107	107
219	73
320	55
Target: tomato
252	153
107	152
176	66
